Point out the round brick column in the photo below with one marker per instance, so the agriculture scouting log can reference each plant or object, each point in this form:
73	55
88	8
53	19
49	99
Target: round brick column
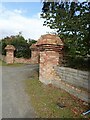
10	54
50	47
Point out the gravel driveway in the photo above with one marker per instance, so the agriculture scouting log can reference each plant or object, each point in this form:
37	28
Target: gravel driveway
15	102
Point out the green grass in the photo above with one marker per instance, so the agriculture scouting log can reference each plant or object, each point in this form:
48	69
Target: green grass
44	99
2	63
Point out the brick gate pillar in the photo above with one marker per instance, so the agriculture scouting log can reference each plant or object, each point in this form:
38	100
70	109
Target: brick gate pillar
34	54
50	47
10	54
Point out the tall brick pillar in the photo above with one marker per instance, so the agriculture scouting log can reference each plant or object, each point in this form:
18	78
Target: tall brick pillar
34	54
50	47
10	54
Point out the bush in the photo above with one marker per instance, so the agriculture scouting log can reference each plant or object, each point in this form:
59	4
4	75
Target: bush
77	62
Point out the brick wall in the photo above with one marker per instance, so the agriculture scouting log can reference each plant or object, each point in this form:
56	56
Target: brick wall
9	58
21	60
35	57
75	82
33	60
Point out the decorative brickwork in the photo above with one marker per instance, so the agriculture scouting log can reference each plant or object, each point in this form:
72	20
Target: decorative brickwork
9	54
50	47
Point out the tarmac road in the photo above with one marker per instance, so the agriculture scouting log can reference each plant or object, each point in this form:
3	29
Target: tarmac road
15	102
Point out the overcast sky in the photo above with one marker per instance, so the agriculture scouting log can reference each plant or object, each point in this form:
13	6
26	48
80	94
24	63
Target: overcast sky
22	17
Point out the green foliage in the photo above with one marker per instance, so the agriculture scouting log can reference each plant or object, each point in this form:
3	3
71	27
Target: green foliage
2	46
21	45
31	41
72	22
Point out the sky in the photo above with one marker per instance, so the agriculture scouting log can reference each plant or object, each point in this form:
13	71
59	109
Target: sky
22	17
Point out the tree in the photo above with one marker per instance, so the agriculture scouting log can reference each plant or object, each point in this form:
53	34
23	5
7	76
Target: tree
72	23
31	41
21	45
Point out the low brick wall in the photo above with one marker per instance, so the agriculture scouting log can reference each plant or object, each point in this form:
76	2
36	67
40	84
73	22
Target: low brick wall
22	60
75	82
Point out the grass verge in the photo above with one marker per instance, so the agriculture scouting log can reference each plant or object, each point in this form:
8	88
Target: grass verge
2	63
44	99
